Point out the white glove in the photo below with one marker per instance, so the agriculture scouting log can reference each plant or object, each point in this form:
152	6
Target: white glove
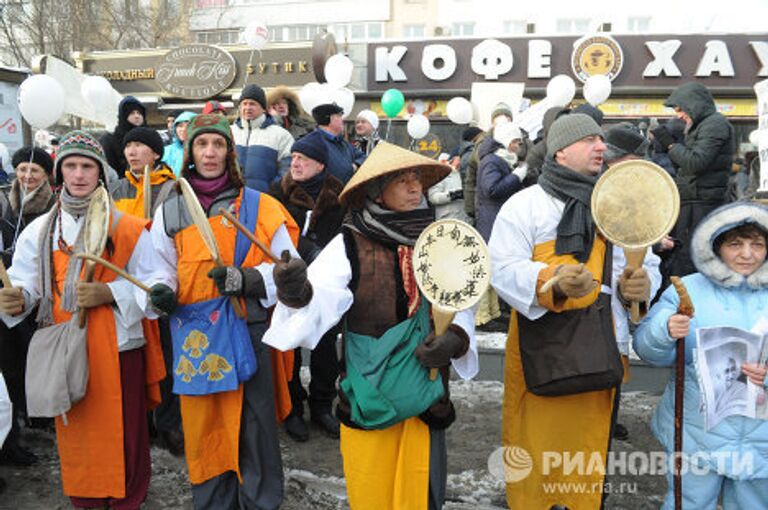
521	171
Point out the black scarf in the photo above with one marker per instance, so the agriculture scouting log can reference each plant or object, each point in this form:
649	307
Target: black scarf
576	231
313	185
390	228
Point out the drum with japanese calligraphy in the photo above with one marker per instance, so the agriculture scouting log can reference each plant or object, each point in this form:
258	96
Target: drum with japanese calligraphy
452	268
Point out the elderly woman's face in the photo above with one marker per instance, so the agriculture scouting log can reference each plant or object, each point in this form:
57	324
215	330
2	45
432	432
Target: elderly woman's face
403	193
31	175
743	254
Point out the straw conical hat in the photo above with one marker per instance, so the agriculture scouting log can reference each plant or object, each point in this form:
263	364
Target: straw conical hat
385	159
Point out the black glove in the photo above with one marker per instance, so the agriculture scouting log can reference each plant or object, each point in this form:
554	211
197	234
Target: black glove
664	137
456	194
238	281
293	287
163	298
437	351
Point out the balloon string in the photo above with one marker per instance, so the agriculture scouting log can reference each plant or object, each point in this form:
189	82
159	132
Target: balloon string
389	124
25	192
250	64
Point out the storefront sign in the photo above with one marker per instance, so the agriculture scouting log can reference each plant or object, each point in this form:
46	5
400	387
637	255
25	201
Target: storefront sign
632	61
196	71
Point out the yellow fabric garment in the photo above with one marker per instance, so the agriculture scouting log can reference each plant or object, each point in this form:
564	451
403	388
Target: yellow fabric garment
389	468
574	424
135	205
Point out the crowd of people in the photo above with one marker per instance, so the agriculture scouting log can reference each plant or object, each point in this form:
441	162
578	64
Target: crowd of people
205	356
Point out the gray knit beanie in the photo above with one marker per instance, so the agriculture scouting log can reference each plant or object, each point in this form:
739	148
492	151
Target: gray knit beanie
569	129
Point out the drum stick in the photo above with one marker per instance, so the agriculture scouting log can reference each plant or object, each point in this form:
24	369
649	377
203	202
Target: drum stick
247	233
111	266
4	276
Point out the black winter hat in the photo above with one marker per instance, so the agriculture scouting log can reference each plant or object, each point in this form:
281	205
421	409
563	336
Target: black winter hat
38	156
129	104
256	93
147	136
470	133
322	113
624	139
313	146
592	111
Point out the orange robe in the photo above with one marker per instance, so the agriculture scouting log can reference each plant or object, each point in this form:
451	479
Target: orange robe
91	444
211	423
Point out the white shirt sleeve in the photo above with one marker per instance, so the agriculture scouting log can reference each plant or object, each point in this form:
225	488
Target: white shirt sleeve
281	241
23	270
155	262
330	274
468	365
513	272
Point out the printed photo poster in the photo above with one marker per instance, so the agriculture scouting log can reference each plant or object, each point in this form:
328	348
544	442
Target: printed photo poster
719	355
11	133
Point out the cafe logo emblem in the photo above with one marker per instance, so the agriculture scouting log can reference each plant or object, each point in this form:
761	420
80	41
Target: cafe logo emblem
195	71
596	54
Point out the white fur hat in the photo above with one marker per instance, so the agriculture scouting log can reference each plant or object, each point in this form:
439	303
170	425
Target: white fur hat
505	133
370	116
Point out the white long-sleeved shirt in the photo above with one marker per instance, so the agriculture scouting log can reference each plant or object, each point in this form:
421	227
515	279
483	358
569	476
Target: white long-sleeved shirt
24	273
157	264
330	274
529	218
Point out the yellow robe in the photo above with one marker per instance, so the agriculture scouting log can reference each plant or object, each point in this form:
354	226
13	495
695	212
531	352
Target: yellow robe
546	427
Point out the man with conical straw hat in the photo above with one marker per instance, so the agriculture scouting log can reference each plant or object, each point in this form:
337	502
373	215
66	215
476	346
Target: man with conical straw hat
393	415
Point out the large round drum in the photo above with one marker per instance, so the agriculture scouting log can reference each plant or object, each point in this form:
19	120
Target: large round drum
635	204
451	265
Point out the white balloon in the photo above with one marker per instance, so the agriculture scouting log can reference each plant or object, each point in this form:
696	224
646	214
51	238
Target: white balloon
344	98
754	137
338	71
560	90
308	96
256	35
97	91
41	100
418	126
597	89
459	110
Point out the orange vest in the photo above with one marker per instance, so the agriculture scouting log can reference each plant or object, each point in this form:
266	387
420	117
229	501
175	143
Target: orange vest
211	423
91	444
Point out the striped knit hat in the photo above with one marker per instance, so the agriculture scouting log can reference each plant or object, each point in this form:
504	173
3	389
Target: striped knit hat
80	143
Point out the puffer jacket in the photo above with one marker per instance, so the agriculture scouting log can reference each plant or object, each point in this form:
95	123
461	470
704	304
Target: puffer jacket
173	155
263	150
721	297
495	184
704	159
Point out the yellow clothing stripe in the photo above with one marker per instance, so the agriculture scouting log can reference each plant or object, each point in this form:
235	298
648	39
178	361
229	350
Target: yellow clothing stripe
576	424
387	468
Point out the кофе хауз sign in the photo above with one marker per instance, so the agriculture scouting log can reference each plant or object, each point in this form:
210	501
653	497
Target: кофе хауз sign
197	71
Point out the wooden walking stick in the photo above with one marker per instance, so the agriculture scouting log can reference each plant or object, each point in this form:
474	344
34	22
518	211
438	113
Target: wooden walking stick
684	308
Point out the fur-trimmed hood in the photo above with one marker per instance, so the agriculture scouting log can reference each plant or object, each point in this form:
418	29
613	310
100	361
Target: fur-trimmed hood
715	223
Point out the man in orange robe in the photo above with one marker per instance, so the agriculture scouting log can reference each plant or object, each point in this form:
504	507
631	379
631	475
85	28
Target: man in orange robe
221	368
104	441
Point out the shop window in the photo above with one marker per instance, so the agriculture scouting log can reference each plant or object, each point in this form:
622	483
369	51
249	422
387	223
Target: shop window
515	26
572	25
413	31
463	29
638	24
375	31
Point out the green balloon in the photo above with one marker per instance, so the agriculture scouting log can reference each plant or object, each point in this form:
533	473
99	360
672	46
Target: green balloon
392	102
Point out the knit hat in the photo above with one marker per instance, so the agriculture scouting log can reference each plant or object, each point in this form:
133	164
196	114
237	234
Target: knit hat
569	129
370	116
501	109
213	106
386	160
80	143
593	111
256	93
313	146
322	113
623	139
147	136
470	133
505	133
38	156
211	123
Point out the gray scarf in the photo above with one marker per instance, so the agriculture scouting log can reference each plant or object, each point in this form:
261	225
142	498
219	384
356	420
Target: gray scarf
76	207
576	230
